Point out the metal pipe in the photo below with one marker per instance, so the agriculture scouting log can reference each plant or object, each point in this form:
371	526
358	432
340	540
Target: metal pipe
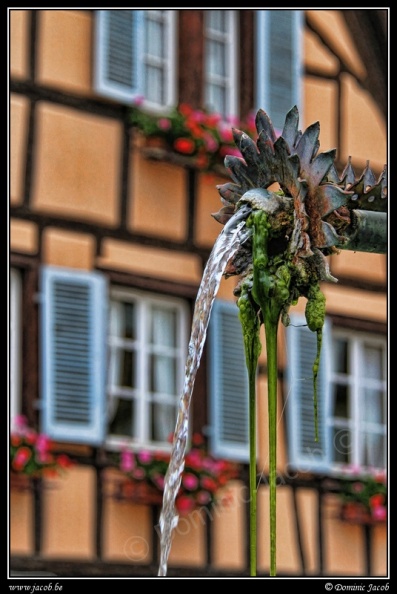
367	233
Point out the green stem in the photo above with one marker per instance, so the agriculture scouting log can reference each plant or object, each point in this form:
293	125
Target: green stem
316	366
251	326
271	348
252	470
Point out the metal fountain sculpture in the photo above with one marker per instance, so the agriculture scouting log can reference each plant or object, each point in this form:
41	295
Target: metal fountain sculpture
284	212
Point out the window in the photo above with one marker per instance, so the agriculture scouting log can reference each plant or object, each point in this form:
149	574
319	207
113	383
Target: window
358	400
135	55
147	349
351	399
278	62
134	342
15	343
220	63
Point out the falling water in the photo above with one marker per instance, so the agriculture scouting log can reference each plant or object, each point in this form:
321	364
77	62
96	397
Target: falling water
232	236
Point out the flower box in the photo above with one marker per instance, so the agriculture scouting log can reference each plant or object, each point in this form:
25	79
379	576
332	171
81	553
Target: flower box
364	498
32	455
141	477
188	136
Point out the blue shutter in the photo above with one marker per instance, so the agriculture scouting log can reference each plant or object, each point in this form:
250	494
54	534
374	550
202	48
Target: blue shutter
73	347
228	384
278	62
118	65
304	452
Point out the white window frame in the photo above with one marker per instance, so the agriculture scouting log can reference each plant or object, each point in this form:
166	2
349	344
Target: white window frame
353	379
15	330
168	62
103	86
229	82
144	301
263	88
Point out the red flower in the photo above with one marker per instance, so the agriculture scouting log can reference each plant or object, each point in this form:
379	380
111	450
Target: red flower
185	109
184	504
184	145
64	461
197	439
208	483
376	500
21	458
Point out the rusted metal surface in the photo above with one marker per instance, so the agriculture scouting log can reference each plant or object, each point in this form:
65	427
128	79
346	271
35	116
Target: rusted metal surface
331	211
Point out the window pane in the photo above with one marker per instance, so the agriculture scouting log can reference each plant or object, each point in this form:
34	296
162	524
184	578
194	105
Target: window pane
155	38
373	450
163	421
341	404
372	362
123	320
342	445
123	372
216	57
216	99
154	84
163	327
216	19
373	409
163	374
340	355
122	417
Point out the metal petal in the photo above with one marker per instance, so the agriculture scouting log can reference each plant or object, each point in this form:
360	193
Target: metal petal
290	131
321	166
308	146
264	125
231	193
329	197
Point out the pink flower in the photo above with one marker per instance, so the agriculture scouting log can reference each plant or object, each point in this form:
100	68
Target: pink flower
379	513
233	120
203	497
21	423
226	134
164	124
198	116
138	473
229	150
158	480
42	443
137	101
190	481
357	487
210	143
145	457
127	461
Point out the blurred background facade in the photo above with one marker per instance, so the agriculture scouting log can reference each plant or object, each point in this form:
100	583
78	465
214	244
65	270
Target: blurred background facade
108	242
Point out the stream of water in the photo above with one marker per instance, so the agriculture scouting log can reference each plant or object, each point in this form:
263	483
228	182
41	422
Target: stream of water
232	236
